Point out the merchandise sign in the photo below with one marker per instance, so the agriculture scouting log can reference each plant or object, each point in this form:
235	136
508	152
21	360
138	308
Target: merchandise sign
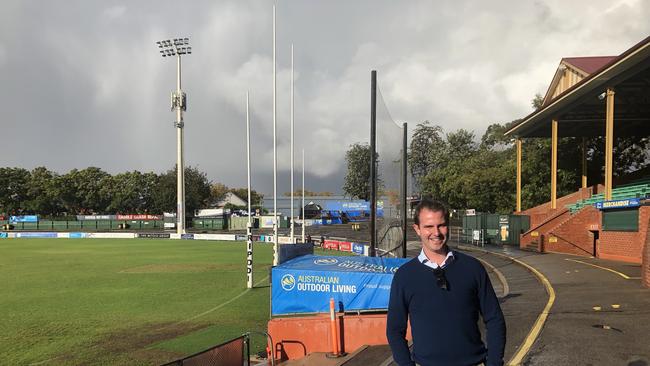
26	218
606	205
305	284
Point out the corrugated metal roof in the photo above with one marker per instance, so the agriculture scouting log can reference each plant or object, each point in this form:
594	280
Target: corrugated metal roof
589	64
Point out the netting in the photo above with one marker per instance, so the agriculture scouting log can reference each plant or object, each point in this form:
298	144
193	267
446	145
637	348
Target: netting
230	353
389	142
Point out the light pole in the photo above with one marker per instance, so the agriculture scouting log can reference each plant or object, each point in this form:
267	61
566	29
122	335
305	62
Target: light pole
169	48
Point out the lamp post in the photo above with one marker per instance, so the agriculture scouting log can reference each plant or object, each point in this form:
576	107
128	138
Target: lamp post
169	48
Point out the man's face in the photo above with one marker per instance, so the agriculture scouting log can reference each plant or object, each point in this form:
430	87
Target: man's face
432	230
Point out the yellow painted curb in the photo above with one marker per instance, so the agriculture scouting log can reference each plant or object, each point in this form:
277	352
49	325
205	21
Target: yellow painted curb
518	357
605	268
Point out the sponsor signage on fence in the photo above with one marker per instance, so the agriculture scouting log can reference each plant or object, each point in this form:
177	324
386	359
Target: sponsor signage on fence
153	235
26	218
358	248
110	235
224	237
3	235
36	235
139	217
345	246
305	284
331	244
607	205
187	236
95	217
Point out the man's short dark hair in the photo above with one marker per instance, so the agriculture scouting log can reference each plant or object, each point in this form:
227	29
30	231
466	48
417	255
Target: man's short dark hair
433	205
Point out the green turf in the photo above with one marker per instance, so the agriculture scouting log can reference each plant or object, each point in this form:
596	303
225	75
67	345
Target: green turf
104	301
126	301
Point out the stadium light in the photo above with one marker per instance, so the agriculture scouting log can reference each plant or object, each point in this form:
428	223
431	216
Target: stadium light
168	48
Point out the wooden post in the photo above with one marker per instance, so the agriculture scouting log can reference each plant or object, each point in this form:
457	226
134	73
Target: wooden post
553	164
584	162
609	143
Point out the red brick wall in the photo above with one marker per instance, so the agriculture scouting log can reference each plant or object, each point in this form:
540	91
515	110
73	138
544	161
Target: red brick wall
623	245
543	229
574	235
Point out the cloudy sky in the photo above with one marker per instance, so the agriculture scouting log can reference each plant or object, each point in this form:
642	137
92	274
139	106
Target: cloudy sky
82	83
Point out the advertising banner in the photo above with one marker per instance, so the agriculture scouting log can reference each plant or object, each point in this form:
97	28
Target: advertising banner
358	248
345	246
26	218
77	235
36	235
95	217
139	217
305	284
331	244
110	235
3	235
153	235
187	236
224	237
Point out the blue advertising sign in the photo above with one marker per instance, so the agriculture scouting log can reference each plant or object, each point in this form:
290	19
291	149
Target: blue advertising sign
3	235
26	218
306	284
77	235
187	236
37	235
607	205
358	248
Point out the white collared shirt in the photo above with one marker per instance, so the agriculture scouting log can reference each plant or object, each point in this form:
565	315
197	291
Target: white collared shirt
427	262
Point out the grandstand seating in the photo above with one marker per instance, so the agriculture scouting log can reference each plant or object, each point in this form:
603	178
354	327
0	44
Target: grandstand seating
638	189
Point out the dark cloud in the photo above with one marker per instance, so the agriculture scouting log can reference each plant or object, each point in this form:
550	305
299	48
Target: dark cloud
83	84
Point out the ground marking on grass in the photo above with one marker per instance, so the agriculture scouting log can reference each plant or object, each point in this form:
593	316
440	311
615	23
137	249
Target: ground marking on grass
222	304
605	268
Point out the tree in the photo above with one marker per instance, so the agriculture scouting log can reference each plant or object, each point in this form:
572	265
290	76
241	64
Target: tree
218	192
197	191
13	189
537	102
131	192
357	178
41	193
425	151
256	198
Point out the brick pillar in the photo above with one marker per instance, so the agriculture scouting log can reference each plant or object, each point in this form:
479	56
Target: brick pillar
645	263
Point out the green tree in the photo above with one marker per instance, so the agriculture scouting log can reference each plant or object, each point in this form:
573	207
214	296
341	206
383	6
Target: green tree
41	193
13	189
426	151
131	192
197	191
256	198
357	178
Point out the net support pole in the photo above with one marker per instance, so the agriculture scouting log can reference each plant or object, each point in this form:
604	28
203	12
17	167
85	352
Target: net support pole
404	173
373	163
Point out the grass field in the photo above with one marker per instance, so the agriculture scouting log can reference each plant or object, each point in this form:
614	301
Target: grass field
126	301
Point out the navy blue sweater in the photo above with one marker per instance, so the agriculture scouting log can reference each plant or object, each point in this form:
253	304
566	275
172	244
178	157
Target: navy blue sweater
444	323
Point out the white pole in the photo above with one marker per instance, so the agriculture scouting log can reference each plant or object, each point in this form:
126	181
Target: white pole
249	226
303	195
180	166
292	239
275	161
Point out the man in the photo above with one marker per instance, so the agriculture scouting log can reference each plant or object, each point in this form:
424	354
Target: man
443	292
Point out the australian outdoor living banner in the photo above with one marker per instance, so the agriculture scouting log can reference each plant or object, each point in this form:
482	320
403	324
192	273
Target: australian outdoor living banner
306	284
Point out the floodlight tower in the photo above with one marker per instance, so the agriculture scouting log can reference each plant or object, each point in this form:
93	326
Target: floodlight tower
169	48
